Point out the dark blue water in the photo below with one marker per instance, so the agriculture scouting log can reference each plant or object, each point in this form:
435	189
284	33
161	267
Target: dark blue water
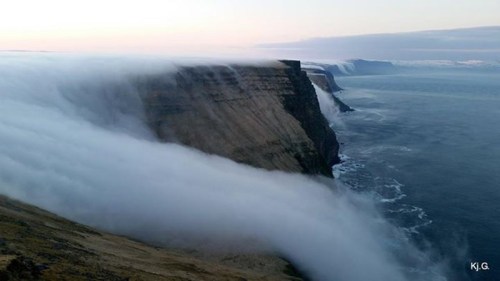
428	146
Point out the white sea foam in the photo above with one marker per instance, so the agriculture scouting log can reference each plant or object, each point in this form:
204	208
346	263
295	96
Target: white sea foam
346	165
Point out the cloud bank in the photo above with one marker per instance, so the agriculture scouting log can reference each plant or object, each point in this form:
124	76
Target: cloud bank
482	43
73	142
328	107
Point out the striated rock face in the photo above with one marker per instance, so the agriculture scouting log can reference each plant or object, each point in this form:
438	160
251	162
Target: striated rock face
304	106
266	116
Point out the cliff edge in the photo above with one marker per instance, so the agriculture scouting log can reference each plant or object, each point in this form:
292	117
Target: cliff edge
325	81
264	115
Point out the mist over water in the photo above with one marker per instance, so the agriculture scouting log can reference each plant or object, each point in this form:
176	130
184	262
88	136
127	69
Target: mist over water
73	141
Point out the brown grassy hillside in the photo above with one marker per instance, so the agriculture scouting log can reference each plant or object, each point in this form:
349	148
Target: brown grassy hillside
37	245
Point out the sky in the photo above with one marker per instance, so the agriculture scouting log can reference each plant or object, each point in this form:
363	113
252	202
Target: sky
194	26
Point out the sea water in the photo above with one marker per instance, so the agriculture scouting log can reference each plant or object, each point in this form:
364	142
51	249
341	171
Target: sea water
427	146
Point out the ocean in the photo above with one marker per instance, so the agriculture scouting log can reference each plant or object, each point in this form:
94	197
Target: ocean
427	146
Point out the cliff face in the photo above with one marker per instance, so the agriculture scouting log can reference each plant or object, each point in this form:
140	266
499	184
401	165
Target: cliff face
266	116
326	81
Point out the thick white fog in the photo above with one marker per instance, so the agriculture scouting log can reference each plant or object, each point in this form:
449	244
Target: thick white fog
328	107
72	141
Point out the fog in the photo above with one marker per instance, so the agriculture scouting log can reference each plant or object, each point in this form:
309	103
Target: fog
73	141
328	107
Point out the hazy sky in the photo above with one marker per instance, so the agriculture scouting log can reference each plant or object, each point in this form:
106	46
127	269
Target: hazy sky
184	26
479	43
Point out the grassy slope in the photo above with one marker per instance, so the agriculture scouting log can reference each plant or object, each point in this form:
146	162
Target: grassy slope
35	244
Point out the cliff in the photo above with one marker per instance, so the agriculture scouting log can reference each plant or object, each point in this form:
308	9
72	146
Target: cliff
323	79
326	81
263	115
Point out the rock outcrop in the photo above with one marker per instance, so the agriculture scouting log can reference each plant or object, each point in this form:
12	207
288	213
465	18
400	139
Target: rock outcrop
326	82
264	115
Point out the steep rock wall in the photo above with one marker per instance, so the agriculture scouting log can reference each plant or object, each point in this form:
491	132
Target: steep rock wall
263	115
326	82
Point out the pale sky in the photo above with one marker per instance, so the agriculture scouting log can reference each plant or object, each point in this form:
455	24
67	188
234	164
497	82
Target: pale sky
190	26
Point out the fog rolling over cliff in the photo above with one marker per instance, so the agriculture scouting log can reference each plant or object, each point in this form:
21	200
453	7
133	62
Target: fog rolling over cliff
262	115
75	141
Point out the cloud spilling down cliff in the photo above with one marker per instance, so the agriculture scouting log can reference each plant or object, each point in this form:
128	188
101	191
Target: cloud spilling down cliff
266	116
102	141
354	67
325	81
